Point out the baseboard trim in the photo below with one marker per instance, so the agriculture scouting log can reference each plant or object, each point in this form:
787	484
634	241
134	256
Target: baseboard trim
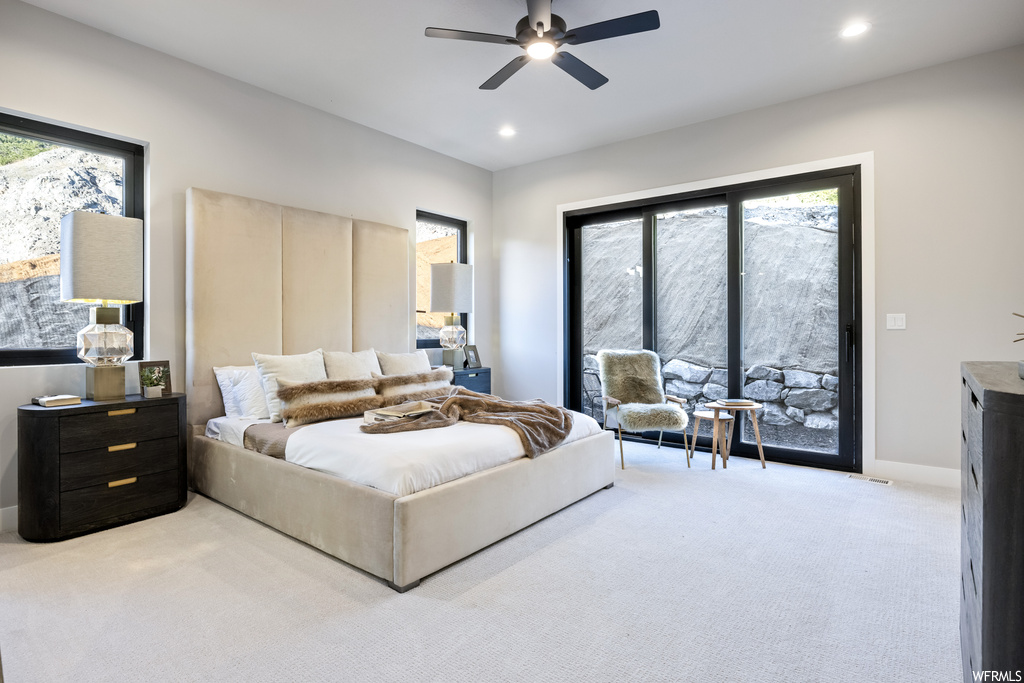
9	519
918	474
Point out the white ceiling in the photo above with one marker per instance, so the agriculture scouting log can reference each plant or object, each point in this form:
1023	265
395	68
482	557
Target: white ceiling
370	62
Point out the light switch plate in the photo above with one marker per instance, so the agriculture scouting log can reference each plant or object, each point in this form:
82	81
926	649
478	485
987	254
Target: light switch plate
895	321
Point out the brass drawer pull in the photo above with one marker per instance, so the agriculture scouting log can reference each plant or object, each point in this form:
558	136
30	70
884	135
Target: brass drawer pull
126	411
121	447
122	482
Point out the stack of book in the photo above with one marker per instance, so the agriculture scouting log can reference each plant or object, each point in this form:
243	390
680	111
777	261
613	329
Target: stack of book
57	400
734	402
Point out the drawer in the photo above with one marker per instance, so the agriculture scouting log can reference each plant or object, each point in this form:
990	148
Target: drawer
94	505
89	468
479	381
99	430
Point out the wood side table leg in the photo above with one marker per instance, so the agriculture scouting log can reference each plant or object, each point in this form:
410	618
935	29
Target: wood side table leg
714	440
757	434
728	440
721	446
693	441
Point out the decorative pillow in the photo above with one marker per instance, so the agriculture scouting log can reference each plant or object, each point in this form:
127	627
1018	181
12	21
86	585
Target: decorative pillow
345	365
241	390
304	367
403	363
395	389
305	402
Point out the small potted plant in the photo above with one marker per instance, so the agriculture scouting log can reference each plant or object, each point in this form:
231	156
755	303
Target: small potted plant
152	382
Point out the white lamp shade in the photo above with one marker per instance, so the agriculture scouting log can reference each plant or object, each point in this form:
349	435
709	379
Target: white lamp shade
100	258
451	288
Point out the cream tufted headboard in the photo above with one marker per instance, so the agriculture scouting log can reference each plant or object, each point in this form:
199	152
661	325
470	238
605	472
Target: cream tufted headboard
276	279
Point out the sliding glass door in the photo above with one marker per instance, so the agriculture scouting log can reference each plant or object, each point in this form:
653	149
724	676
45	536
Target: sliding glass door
746	291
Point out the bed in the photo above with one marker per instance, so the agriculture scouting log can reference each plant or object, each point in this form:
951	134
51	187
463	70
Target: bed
280	280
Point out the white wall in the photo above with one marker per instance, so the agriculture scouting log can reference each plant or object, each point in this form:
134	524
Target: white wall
947	143
209	131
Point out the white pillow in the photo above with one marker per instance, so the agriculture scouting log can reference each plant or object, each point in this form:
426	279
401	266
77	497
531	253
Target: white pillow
227	389
241	390
403	363
344	365
303	367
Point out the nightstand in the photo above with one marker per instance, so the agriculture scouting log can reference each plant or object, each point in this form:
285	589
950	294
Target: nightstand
474	379
100	464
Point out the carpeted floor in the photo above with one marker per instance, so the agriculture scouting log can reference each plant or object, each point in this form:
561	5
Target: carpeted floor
787	574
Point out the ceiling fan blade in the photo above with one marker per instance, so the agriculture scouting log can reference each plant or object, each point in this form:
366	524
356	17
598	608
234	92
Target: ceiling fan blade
469	35
578	70
623	26
505	73
540	13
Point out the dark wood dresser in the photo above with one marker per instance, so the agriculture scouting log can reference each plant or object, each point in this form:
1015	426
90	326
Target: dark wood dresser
100	464
474	379
992	518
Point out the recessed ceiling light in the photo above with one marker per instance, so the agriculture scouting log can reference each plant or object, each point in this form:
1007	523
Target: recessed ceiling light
855	29
507	132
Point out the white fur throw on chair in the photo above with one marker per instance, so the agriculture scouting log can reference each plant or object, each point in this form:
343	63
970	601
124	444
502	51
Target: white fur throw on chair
634	378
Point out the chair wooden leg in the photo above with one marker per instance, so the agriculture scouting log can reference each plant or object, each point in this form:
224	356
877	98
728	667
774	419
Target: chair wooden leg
686	449
660	434
693	441
622	454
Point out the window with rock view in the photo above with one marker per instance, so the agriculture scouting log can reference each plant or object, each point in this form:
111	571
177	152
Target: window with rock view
438	240
750	295
42	180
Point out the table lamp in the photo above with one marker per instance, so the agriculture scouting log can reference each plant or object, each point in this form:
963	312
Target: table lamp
451	289
101	262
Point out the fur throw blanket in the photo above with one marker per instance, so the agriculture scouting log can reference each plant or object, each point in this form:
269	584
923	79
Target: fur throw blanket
540	426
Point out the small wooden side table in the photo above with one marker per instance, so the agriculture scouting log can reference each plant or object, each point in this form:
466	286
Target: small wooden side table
732	410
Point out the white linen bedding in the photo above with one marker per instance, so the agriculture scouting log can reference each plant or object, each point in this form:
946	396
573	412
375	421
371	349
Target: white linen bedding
407	462
231	429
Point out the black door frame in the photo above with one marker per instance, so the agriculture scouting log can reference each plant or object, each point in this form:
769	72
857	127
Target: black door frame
848	181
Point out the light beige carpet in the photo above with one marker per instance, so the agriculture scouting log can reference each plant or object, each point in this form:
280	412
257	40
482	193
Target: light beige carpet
787	574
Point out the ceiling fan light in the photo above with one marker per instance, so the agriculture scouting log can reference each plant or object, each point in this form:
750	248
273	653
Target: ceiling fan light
540	49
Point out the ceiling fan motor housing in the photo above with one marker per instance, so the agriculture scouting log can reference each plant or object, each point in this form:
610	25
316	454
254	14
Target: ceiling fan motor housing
527	34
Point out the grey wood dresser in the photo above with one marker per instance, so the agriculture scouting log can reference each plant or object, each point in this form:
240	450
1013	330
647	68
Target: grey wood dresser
991	518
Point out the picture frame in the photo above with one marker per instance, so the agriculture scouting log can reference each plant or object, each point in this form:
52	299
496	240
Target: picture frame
472	356
164	370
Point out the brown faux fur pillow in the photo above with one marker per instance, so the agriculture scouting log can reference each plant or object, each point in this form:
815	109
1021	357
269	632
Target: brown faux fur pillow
305	402
395	389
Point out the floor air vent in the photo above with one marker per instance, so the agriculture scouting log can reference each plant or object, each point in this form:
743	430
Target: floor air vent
873	480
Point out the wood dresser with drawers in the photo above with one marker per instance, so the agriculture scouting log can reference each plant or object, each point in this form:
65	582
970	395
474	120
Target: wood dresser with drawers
991	520
100	464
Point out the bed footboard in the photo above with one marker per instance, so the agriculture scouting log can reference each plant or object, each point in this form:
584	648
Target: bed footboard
444	524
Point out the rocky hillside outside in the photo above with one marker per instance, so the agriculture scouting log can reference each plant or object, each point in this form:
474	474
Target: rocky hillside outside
790	310
434	244
38	186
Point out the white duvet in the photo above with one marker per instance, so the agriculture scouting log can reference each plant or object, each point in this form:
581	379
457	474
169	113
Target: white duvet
408	462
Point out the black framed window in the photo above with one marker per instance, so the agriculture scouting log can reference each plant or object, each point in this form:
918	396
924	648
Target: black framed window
744	291
46	172
439	239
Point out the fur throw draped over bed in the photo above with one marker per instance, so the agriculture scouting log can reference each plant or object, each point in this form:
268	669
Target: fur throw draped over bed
540	426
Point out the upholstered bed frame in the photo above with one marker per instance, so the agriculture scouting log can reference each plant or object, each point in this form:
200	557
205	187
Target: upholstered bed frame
273	279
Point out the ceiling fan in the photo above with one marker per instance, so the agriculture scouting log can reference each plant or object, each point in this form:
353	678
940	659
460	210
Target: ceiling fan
541	33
